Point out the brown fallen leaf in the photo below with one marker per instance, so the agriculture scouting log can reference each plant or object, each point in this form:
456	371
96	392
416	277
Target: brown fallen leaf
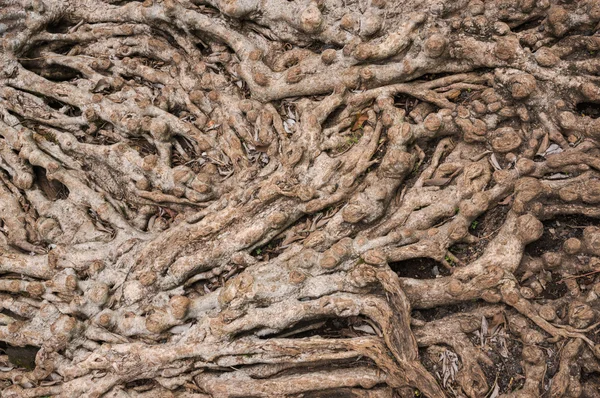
543	146
360	121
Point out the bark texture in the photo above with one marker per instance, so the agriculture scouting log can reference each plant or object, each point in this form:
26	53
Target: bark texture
325	198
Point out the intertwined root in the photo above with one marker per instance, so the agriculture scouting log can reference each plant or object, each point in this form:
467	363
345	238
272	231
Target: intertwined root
304	199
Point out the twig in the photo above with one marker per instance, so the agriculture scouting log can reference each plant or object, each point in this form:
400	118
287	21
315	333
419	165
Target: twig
579	276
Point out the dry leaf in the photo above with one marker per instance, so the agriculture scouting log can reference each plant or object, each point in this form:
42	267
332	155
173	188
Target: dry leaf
553	149
365	328
543	146
495	391
360	121
494	162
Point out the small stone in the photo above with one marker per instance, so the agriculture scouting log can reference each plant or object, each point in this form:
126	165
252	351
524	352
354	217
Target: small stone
507	112
591	238
155	323
98	293
179	306
491	296
569	194
105	320
556	19
353	213
523	113
580	315
533	355
277	219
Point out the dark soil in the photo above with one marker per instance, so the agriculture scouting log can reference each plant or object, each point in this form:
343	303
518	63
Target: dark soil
552	363
558	230
419	268
506	372
554	289
589	109
485	228
325	328
432	314
22	357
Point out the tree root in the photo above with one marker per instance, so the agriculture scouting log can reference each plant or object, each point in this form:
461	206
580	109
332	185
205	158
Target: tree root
299	199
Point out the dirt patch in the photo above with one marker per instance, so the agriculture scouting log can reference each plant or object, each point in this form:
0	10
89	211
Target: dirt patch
432	314
533	23
485	227
552	364
554	288
506	372
589	109
334	328
268	251
558	230
22	357
419	268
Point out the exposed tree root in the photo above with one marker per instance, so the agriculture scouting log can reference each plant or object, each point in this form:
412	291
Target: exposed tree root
216	198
